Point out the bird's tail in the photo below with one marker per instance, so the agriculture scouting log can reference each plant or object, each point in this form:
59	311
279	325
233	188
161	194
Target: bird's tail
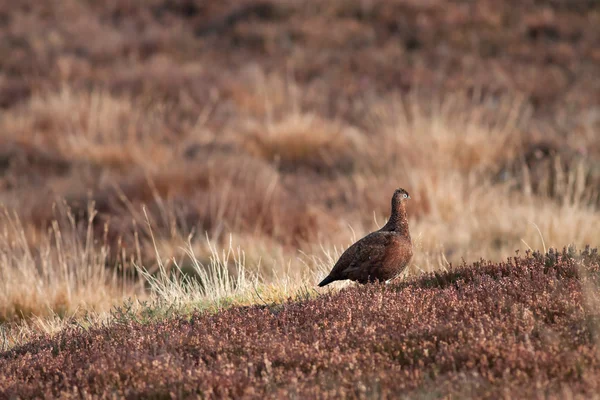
327	281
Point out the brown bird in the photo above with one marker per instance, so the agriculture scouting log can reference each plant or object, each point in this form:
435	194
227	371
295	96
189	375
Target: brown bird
381	255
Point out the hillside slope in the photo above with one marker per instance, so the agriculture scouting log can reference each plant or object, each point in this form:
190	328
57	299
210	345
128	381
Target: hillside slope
527	326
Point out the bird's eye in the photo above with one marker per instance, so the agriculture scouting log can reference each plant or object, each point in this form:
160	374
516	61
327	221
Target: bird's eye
405	195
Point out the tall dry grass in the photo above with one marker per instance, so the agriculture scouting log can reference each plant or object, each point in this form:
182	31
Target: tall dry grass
66	273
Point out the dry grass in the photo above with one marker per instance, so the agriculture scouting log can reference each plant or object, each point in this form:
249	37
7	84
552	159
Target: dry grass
66	273
93	127
303	140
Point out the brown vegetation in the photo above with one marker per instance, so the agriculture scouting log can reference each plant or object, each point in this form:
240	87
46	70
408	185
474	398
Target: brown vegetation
526	327
232	150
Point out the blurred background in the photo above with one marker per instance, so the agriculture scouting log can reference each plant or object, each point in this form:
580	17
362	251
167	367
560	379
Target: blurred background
136	135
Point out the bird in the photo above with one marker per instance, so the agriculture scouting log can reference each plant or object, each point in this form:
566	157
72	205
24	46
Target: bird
381	255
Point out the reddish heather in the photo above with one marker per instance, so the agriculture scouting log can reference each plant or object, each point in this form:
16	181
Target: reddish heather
524	327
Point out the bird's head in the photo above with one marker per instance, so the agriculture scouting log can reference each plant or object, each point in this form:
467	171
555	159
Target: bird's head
400	195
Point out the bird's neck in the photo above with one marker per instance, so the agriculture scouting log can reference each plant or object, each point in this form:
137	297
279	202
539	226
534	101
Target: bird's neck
398	221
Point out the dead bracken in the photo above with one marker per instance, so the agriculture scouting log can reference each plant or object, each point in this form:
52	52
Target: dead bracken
525	327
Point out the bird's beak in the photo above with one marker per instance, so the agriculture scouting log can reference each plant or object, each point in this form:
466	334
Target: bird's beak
408	197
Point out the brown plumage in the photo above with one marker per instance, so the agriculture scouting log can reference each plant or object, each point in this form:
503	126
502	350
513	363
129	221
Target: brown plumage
381	255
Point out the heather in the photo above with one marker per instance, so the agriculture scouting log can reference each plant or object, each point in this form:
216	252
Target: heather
527	326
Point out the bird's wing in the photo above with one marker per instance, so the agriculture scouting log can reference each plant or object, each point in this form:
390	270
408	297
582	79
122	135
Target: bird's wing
368	251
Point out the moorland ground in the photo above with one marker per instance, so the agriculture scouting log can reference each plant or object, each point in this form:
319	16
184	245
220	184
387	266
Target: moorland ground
201	154
525	328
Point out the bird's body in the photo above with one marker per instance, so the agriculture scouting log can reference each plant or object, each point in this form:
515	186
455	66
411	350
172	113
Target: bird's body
381	255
